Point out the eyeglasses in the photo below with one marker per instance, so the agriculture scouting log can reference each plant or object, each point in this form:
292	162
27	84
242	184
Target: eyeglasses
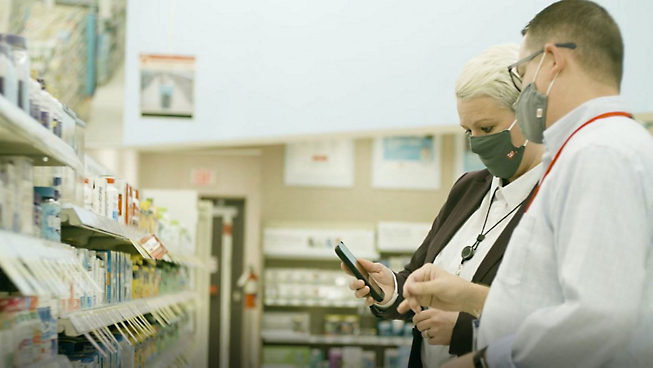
512	69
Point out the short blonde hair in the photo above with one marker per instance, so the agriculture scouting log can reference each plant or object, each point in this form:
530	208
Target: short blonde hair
486	75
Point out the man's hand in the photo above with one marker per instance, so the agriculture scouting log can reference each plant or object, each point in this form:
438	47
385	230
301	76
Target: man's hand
435	325
433	287
464	361
383	276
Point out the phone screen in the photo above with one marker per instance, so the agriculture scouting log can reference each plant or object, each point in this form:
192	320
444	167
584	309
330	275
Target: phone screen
350	261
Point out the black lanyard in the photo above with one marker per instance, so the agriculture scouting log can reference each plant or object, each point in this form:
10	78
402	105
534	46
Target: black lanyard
468	252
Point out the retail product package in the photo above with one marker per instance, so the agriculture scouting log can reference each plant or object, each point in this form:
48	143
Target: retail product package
111	198
8	79
100	196
352	357
27	331
391	358
50	211
286	323
18	46
7	195
109	263
341	324
285	356
368	359
335	357
19	176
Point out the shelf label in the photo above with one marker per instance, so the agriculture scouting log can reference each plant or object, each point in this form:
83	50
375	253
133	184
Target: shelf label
153	247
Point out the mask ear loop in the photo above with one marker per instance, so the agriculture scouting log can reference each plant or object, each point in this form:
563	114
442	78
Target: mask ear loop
551	84
510	128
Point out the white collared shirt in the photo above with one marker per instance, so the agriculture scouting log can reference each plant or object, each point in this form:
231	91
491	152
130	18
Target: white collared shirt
506	199
575	288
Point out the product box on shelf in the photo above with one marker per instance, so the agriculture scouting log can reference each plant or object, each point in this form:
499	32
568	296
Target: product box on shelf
27	331
287	323
285	356
7	195
341	324
17	173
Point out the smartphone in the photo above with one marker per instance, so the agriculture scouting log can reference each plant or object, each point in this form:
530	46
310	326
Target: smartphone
350	261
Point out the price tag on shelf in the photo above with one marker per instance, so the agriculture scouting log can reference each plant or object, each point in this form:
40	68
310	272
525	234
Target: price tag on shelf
153	246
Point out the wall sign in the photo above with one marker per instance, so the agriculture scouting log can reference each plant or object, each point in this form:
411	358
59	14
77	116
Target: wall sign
167	85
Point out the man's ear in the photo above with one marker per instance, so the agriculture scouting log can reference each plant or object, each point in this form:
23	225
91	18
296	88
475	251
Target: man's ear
559	59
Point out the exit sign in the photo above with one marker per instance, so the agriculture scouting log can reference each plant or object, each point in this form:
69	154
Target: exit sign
202	177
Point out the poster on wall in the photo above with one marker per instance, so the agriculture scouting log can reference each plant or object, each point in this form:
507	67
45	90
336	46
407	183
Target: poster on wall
167	85
410	162
320	164
466	160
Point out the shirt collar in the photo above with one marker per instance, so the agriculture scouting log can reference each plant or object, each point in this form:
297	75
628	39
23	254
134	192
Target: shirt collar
518	190
555	135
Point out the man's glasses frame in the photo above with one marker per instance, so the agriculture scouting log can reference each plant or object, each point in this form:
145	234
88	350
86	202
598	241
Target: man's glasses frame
516	78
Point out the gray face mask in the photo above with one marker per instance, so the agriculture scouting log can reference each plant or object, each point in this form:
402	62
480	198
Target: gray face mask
530	109
497	153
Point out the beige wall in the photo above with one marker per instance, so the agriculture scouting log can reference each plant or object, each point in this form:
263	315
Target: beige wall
257	176
360	204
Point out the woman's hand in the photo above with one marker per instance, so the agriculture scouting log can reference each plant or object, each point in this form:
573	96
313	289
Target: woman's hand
383	276
435	325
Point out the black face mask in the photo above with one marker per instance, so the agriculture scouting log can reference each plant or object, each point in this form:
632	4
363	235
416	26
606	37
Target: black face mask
497	153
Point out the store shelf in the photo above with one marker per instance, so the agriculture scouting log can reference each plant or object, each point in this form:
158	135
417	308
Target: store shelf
184	346
74	216
190	261
84	321
355	303
21	135
59	361
275	338
86	228
330	256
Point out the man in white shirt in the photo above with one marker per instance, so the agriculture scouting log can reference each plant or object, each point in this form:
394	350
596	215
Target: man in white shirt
575	288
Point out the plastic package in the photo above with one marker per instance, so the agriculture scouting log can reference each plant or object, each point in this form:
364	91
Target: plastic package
8	81
18	46
51	209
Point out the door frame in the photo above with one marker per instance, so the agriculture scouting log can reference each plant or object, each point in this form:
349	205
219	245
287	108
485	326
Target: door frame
227	214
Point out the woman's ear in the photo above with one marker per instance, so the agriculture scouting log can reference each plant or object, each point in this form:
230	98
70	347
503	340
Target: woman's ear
559	59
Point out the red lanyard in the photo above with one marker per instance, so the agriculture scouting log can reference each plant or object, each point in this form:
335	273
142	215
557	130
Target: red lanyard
555	158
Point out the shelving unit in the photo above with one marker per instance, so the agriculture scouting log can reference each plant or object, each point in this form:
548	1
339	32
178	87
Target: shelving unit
43	268
271	338
87	229
354	303
91	226
184	346
84	321
21	135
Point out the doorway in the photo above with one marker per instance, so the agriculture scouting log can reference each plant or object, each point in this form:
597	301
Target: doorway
226	308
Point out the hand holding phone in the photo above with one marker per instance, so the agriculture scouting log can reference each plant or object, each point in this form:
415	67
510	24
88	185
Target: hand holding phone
359	272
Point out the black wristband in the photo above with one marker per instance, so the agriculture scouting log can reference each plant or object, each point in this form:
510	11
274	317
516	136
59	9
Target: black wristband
479	359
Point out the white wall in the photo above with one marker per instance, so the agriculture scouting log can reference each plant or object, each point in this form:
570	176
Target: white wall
294	67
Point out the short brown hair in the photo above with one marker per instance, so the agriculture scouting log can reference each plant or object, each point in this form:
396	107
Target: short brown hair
599	47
